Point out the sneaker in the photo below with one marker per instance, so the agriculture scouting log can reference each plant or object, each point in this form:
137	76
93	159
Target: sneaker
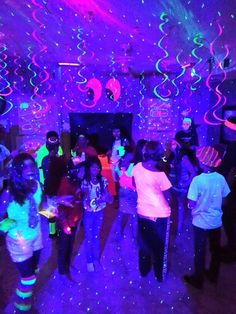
193	281
90	267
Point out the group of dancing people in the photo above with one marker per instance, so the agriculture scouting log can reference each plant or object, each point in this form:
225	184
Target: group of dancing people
147	179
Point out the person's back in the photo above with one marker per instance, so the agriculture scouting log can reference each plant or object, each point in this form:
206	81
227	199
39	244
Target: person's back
205	196
153	211
208	189
149	185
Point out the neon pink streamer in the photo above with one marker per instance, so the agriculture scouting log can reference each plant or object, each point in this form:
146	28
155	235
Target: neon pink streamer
221	99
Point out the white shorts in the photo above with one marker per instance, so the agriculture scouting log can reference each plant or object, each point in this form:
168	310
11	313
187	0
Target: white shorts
20	250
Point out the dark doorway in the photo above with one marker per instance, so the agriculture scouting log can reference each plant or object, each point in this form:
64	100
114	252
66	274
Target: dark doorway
98	127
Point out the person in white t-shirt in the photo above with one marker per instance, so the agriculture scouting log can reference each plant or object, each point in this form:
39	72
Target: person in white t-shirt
21	203
152	186
205	196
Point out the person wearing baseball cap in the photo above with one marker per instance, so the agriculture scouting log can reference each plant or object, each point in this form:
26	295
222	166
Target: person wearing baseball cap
205	196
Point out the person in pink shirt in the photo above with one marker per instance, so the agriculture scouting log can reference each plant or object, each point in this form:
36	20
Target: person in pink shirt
153	187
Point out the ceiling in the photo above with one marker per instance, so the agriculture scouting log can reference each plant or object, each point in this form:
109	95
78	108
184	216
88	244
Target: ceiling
120	36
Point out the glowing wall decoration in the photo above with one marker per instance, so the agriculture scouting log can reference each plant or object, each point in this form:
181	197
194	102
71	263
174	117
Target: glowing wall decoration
178	76
141	107
212	116
17	84
38	106
33	127
68	95
81	79
113	89
5	86
159	118
93	88
157	88
198	41
40	75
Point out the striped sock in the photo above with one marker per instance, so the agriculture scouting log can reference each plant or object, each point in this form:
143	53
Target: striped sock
24	293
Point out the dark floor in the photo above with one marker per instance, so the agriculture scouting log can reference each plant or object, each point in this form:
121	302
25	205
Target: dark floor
118	288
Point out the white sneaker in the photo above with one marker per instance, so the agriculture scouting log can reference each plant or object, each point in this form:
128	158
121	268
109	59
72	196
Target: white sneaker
90	267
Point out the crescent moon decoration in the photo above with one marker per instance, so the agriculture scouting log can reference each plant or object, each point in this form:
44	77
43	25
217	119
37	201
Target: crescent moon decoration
165	20
114	86
221	99
6	89
198	42
96	86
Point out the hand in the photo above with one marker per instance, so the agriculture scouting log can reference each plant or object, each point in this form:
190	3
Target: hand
6	224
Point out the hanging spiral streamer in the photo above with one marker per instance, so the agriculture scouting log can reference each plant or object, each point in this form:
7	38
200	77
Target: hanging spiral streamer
81	45
43	75
221	99
178	76
141	107
198	41
165	20
5	86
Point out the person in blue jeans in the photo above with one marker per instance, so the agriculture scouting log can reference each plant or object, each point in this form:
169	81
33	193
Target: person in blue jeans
95	197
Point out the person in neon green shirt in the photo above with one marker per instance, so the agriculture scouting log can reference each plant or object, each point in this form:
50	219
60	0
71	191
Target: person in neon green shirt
52	138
